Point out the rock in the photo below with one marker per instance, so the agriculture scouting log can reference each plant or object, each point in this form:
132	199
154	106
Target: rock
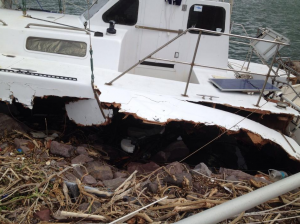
114	183
82	151
98	184
43	215
232	178
61	163
88	179
81	159
198	186
64	150
99	171
175	168
71	177
202	168
20	142
40	135
179	179
152	187
176	151
142	168
237	175
120	174
83	207
77	171
8	124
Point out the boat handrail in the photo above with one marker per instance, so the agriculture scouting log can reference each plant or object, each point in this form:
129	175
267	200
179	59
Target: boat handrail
56	27
4	23
158	29
192	64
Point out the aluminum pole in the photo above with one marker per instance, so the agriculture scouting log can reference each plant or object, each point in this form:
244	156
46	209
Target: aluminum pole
144	59
268	76
193	63
236	206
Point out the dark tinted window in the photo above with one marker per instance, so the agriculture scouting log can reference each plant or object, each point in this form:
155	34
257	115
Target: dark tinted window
124	12
55	46
207	17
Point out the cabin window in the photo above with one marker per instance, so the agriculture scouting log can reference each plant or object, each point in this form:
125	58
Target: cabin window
207	17
56	46
124	12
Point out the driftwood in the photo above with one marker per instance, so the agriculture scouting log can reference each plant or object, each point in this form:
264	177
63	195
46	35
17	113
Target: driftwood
64	214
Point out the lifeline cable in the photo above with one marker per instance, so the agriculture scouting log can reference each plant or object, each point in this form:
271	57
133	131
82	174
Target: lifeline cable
223	133
92	68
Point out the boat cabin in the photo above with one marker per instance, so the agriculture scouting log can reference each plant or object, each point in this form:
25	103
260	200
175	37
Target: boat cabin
141	27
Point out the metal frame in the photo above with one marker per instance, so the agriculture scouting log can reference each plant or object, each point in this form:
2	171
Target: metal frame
4	23
158	29
192	64
56	27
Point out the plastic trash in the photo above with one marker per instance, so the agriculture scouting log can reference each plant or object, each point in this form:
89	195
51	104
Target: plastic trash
19	151
276	175
127	146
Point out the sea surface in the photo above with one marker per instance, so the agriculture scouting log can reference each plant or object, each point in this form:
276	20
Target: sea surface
283	16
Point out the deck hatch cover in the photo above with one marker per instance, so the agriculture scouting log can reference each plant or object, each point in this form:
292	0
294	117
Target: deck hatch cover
243	85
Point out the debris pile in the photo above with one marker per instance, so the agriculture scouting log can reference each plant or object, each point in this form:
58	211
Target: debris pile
45	180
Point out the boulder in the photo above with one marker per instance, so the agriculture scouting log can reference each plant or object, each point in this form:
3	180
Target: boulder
81	159
100	171
60	149
114	183
142	168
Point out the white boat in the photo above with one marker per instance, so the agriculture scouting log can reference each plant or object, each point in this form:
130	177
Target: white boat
153	60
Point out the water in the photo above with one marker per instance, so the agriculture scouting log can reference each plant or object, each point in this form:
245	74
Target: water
281	15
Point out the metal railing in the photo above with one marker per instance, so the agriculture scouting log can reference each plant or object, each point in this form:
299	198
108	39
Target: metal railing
4	24
192	64
56	27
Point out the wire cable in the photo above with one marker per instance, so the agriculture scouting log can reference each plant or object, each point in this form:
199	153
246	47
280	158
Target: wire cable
40	5
225	132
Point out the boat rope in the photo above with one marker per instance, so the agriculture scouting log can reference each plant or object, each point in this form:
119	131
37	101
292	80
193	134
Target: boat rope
95	90
225	132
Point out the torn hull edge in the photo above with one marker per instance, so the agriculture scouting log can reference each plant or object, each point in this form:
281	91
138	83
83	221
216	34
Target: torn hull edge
154	109
161	112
